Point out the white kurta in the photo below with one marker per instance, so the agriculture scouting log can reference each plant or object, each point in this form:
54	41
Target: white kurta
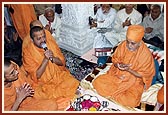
100	40
119	33
55	25
157	25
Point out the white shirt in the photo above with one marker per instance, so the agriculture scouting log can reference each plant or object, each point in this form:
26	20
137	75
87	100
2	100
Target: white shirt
107	18
135	16
119	32
157	25
55	25
100	40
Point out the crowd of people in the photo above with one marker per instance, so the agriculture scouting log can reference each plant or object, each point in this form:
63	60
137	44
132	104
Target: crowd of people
35	74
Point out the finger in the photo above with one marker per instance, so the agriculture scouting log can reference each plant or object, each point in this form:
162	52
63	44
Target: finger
127	18
30	93
30	90
26	86
17	90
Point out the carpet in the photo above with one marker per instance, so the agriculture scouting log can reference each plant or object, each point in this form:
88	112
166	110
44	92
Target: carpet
77	66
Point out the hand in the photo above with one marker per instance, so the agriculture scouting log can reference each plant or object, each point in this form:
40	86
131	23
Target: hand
48	54
93	25
123	67
48	27
24	91
127	22
148	30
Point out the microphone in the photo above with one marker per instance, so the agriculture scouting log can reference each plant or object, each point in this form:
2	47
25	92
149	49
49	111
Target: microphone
44	46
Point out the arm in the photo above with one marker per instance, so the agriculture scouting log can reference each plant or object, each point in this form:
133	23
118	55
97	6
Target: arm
118	23
24	91
42	68
55	49
57	61
126	67
48	54
108	22
136	74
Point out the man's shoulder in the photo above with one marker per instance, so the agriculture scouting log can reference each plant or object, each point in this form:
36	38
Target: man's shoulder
137	12
113	11
146	18
42	17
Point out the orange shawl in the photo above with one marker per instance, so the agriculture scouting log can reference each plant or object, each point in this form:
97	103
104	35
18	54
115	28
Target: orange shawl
22	16
127	91
56	81
30	103
160	95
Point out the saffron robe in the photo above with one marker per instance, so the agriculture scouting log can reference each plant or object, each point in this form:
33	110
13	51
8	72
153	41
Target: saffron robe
56	81
127	90
30	103
22	16
160	95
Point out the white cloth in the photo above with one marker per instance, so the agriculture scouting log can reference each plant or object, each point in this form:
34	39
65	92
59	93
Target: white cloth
150	96
100	40
107	18
157	25
119	33
55	25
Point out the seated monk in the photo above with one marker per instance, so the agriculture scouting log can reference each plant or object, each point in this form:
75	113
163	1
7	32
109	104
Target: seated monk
28	39
18	94
46	67
132	70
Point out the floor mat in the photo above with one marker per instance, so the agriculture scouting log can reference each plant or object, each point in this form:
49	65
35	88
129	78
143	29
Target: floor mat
77	66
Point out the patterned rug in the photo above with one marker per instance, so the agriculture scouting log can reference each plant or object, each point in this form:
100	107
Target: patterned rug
77	66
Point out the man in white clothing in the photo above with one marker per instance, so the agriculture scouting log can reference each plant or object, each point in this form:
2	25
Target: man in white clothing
51	22
104	20
154	27
124	18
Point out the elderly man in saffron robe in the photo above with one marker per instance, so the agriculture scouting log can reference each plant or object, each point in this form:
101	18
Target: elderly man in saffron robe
132	70
46	67
18	94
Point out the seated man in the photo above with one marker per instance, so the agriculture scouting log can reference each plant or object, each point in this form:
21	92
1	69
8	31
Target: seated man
104	17
132	70
28	39
154	27
46	67
18	94
51	22
124	18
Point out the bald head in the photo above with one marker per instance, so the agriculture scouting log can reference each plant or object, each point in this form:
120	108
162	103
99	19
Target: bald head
36	23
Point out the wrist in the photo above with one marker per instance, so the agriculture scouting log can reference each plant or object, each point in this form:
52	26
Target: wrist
18	100
45	59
